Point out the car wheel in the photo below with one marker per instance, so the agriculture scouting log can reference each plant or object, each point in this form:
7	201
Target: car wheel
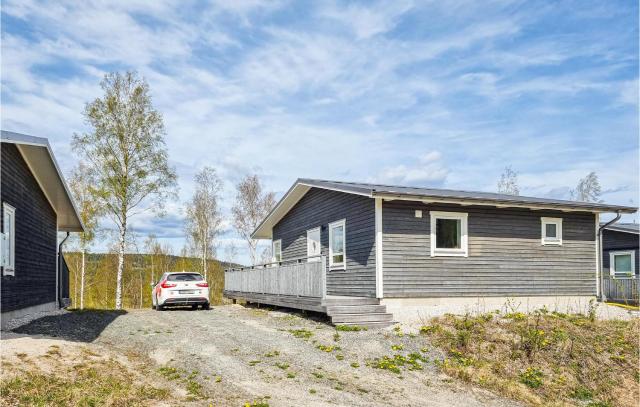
194	307
206	306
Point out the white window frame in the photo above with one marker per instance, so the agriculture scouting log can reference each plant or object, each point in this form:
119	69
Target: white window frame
278	252
463	217
309	254
612	263
8	253
343	265
545	241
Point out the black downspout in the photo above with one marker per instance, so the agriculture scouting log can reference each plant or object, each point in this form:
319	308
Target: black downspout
601	254
60	304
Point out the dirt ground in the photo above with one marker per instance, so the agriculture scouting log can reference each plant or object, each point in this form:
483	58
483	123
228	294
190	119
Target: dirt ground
237	355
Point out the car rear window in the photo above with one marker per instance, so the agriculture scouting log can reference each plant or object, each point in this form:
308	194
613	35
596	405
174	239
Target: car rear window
184	277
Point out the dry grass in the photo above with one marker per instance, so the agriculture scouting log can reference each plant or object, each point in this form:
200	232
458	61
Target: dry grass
543	358
90	383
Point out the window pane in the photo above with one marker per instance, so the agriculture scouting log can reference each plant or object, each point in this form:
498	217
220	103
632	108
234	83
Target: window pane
622	263
551	230
448	233
337	239
338	258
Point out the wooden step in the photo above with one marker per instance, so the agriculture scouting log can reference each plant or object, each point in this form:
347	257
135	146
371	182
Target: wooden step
350	301
355	309
361	318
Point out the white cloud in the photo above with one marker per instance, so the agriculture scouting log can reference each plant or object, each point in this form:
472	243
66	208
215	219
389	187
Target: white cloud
427	171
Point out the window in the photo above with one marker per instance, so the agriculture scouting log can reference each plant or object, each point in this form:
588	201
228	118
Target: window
337	252
277	250
8	240
313	245
622	264
551	231
184	277
449	234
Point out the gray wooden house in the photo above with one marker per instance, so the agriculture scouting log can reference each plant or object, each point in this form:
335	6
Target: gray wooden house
621	262
36	205
365	253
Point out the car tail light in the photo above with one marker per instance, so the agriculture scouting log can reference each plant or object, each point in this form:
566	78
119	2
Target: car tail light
166	284
202	284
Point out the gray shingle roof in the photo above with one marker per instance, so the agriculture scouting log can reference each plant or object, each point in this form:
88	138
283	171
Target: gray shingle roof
624	227
386	190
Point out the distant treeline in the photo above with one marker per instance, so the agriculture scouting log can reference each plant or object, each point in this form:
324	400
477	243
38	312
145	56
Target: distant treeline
139	272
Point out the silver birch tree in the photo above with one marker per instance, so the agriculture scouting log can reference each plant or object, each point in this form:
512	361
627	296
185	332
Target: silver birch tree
127	155
203	214
588	189
508	183
80	183
251	206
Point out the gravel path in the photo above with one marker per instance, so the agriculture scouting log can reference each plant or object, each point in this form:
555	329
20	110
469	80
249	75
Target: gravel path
243	354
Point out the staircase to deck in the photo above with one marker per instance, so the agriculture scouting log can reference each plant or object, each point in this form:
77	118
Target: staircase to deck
357	311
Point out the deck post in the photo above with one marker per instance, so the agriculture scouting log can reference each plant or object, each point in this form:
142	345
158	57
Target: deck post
324	277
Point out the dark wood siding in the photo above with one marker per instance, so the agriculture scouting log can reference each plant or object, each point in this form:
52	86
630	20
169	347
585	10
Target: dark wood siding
35	221
506	257
613	240
320	207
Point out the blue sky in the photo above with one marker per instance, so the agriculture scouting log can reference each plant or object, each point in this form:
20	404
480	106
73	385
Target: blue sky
433	93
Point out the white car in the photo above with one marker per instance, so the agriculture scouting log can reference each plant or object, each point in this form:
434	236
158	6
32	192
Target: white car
183	288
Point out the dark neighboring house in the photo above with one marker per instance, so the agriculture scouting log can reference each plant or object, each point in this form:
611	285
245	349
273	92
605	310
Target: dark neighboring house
621	262
366	253
36	205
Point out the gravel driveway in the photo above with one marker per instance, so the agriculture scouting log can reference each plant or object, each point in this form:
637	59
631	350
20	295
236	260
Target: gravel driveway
242	354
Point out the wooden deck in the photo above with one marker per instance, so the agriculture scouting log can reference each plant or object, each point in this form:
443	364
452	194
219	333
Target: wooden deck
622	290
301	284
289	301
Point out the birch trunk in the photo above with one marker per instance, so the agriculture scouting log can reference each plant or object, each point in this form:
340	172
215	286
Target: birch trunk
82	281
123	232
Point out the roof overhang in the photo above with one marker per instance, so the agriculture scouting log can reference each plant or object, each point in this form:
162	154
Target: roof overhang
39	157
302	186
506	203
622	229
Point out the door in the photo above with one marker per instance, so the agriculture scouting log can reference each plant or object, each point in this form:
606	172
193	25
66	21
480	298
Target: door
313	244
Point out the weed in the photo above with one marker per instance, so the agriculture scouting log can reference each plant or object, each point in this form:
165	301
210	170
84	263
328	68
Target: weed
254	362
397	347
283	366
355	365
170	373
582	393
328	348
312	391
350	328
318	375
272	354
336	337
301	333
290	375
531	377
218	379
340	357
257	403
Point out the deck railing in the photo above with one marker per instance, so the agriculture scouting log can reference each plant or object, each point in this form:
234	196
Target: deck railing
303	277
624	290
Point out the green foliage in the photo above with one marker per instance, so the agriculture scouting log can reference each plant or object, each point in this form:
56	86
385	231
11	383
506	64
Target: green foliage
350	328
394	363
582	393
532	377
301	333
282	365
328	348
138	272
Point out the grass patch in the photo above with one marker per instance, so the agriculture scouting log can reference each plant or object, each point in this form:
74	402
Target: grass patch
283	366
301	333
541	358
350	328
397	362
84	384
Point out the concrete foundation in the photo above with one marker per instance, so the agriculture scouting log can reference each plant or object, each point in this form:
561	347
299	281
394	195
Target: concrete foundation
411	310
7	317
